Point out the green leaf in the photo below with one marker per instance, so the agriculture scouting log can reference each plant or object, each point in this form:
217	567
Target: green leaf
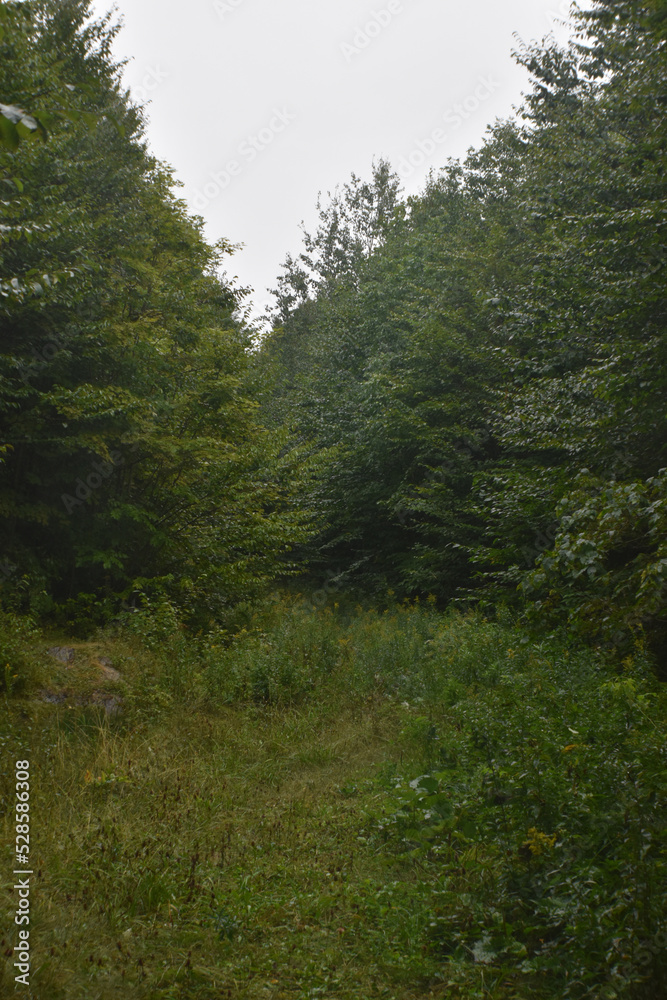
9	136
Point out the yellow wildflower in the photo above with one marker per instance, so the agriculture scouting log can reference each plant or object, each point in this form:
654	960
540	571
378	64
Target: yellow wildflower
538	841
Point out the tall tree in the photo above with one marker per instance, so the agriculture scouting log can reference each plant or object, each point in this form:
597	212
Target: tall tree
132	456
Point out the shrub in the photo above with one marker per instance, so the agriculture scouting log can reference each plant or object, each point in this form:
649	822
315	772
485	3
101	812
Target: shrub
537	821
280	659
17	664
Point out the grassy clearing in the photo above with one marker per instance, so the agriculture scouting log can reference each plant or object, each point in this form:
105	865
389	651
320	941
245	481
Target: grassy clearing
386	805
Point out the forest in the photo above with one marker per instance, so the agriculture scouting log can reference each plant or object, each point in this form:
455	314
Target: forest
337	643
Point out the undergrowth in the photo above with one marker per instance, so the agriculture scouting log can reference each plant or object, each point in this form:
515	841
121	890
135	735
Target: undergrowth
341	805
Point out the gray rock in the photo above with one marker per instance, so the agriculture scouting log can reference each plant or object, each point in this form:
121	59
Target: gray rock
111	703
54	697
109	672
63	653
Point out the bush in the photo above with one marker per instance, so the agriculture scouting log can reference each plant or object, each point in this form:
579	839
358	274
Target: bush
157	623
80	616
176	664
607	571
17	665
280	659
537	823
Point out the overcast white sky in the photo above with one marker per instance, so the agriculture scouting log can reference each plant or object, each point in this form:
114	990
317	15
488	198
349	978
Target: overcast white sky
260	104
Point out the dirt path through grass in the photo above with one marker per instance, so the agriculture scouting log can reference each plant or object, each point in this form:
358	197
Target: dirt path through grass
392	806
210	856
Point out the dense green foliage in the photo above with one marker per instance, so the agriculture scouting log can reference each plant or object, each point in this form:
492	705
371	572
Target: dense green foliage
132	460
489	370
353	804
439	770
465	390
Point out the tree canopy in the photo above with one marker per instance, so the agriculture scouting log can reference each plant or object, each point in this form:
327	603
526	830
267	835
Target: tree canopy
488	373
132	459
462	393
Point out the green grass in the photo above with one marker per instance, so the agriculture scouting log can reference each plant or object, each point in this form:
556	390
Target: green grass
396	805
